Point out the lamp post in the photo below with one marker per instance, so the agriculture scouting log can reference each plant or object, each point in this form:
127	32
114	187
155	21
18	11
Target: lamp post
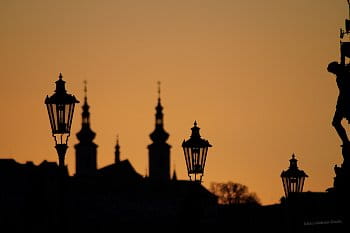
195	151
293	178
60	107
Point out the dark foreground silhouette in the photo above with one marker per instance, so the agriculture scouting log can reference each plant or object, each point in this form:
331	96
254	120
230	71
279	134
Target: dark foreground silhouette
41	199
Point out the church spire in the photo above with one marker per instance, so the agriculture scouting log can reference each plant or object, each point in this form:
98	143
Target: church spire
85	134
86	113
117	151
86	149
159	150
159	110
159	134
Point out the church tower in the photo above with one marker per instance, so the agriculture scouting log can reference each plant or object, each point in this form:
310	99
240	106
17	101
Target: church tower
86	149
159	150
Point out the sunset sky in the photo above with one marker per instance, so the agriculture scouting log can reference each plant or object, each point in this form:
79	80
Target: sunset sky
252	73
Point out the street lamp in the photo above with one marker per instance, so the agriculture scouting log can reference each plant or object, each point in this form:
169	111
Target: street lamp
195	151
60	107
293	178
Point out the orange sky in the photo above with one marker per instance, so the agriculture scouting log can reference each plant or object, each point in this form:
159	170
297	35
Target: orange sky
252	73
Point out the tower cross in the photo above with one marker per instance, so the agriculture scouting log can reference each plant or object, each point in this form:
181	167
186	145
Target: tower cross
85	88
158	89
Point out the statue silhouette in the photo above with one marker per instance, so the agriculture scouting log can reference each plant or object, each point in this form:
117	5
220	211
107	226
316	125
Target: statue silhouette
343	103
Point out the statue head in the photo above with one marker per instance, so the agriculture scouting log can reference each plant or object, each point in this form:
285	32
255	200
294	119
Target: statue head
334	67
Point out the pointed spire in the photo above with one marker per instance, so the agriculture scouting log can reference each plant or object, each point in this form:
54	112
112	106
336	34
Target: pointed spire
85	90
86	113
85	134
117	145
159	91
159	110
117	151
86	149
159	133
159	149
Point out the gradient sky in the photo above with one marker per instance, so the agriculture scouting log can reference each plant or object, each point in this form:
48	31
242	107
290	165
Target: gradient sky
252	73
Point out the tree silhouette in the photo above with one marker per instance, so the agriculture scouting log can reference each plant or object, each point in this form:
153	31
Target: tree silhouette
233	193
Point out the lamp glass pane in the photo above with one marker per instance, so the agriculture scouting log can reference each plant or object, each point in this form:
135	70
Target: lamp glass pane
302	179
67	116
60	118
195	159
50	112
